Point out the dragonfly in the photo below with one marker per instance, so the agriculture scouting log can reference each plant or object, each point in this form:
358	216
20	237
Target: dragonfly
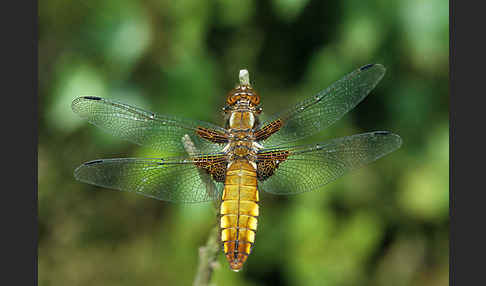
231	164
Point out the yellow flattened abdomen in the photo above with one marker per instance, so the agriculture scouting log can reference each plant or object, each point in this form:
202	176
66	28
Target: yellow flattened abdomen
248	222
229	207
228	220
239	211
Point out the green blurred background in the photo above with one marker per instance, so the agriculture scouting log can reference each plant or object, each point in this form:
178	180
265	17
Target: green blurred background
385	224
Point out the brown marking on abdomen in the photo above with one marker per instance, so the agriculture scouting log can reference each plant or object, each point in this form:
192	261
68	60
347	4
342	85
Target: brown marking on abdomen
239	212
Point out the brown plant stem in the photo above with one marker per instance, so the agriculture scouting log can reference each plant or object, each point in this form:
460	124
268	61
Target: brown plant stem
208	255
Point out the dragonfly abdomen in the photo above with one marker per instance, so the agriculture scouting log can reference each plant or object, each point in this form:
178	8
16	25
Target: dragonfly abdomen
239	212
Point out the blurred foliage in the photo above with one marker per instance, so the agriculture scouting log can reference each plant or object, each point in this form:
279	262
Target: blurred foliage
386	224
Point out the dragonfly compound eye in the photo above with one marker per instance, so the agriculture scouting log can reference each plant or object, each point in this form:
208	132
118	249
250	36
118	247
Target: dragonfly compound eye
241	92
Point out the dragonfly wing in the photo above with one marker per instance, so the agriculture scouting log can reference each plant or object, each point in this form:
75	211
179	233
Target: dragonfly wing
161	133
297	169
320	111
175	180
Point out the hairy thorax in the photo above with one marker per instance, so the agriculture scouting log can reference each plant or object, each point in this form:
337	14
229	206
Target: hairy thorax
241	140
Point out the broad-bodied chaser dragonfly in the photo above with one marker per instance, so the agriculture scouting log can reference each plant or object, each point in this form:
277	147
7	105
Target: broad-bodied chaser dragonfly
231	164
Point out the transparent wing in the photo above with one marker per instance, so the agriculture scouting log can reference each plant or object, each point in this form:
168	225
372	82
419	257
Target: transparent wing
175	180
161	133
306	168
320	111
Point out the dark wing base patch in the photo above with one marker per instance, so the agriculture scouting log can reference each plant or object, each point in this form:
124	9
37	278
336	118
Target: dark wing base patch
268	162
267	130
212	135
213	165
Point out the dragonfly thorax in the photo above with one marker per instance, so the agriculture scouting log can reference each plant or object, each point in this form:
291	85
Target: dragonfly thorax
242	120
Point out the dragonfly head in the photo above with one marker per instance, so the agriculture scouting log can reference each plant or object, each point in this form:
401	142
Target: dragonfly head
243	93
